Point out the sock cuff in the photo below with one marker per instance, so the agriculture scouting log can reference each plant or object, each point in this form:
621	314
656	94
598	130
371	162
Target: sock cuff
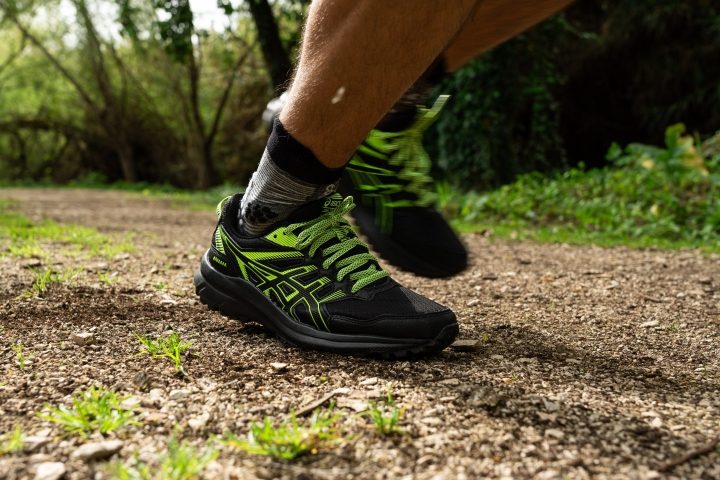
297	160
436	72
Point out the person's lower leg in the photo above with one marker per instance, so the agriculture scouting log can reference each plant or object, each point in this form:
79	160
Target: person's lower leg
352	71
357	59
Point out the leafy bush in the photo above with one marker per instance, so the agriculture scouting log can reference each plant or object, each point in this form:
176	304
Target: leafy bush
560	94
657	195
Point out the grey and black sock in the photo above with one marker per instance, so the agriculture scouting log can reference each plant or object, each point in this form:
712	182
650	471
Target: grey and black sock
288	176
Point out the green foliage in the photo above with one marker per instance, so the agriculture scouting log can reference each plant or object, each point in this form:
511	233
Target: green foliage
560	94
44	279
93	410
20	357
503	115
385	417
165	102
12	442
181	462
648	196
291	438
171	348
108	279
23	237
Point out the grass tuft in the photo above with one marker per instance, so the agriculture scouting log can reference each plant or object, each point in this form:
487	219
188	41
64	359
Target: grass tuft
20	357
12	442
172	348
386	417
93	410
290	439
181	462
44	279
108	279
23	237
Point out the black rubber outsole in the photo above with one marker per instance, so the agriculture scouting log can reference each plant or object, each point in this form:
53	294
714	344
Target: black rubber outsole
394	253
240	300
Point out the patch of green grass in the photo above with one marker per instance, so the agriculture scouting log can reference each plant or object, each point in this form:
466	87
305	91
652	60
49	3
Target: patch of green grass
172	348
22	237
291	438
108	279
93	410
385	417
20	357
44	279
12	442
648	197
181	462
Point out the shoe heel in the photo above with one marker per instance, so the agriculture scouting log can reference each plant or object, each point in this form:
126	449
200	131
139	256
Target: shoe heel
228	306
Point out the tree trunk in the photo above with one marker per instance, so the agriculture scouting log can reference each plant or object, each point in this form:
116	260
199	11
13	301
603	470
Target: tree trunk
276	58
127	161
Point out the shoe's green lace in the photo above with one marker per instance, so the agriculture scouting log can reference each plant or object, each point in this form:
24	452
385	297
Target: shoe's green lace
405	148
332	225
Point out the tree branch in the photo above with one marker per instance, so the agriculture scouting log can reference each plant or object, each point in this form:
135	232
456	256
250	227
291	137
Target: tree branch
224	98
13	55
84	95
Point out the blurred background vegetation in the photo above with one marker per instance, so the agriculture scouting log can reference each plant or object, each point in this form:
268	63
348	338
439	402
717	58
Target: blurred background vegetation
147	90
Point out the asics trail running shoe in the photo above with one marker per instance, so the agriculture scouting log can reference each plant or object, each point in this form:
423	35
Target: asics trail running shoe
390	176
312	282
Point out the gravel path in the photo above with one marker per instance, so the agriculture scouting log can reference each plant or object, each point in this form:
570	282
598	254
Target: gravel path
588	363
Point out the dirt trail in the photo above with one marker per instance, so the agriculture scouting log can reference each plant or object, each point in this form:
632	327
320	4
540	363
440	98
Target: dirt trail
591	362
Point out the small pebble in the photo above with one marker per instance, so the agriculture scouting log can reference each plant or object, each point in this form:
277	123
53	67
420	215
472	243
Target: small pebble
177	394
82	338
353	404
279	366
551	406
432	421
34	443
49	470
97	451
199	422
651	323
369	381
450	381
465	344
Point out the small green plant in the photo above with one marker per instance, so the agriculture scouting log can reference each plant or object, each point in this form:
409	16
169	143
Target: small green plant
48	277
12	442
20	357
171	348
290	439
92	410
159	286
181	462
107	278
386	417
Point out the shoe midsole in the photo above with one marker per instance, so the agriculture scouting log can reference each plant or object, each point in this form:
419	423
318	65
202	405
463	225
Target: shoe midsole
245	297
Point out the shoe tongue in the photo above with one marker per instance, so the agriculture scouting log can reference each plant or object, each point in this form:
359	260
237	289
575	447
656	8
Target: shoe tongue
316	208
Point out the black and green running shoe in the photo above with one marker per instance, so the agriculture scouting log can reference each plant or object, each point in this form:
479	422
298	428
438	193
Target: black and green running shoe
389	175
313	283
